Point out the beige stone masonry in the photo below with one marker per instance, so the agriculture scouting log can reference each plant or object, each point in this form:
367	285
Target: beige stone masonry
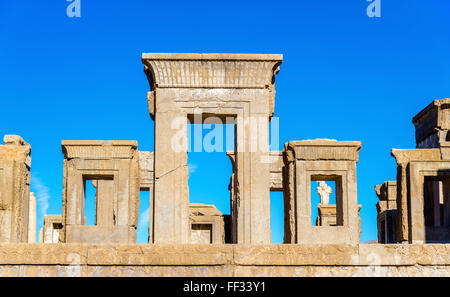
113	168
433	124
51	231
276	171
326	215
414	166
15	164
207	224
224	260
189	86
417	205
387	211
321	160
32	219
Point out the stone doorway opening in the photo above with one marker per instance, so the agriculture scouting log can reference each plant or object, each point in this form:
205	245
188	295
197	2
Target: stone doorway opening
98	201
277	217
209	177
326	201
323	202
144	225
435	196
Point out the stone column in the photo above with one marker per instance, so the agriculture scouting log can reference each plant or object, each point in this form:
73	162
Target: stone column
171	193
32	220
104	202
253	173
15	163
327	215
387	211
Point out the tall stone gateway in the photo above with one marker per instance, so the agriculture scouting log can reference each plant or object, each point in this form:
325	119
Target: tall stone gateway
195	86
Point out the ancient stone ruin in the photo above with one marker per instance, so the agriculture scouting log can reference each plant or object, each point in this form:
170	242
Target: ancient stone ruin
188	239
421	211
15	164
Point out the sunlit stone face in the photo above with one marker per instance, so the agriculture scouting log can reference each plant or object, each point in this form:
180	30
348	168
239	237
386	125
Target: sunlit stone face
201	234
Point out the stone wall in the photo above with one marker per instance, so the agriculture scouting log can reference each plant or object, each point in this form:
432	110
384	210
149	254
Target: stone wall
224	260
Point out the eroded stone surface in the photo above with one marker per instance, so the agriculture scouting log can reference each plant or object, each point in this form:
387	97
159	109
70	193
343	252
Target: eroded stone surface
32	219
207	224
51	232
222	85
387	211
223	260
113	168
15	163
321	160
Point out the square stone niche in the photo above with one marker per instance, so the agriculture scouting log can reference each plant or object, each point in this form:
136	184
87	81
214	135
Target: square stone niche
113	169
207	224
321	160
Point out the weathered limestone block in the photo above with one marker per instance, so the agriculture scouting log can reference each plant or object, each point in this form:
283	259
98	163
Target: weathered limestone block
146	170
15	163
276	171
423	183
113	167
321	160
185	86
161	255
100	234
224	260
423	195
207	224
327	215
52	229
276	180
387	211
295	255
32	219
433	124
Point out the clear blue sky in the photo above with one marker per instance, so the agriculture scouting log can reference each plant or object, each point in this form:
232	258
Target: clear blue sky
345	76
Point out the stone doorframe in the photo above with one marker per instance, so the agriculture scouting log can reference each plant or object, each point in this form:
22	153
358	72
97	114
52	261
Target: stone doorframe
413	167
114	169
241	86
325	160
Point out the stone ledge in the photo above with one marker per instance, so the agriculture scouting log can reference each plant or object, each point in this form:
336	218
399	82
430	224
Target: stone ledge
42	254
211	70
294	255
216	255
224	260
163	255
212	57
